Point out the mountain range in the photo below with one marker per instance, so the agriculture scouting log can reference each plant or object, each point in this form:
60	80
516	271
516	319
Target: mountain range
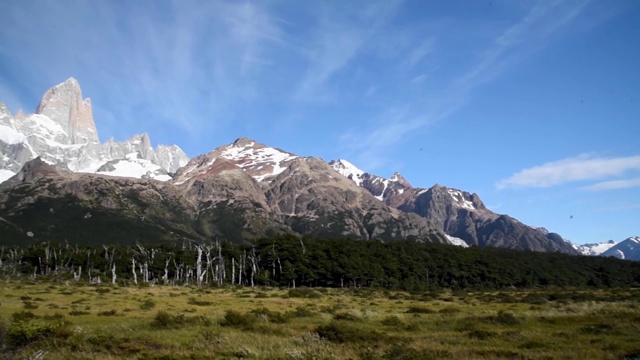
60	183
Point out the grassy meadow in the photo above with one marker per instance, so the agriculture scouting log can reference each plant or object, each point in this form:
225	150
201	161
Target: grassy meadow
79	321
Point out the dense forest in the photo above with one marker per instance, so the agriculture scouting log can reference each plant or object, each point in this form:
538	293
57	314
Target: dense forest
289	261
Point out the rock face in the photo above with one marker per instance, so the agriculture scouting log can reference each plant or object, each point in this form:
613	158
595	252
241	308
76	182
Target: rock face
62	130
456	213
238	192
63	103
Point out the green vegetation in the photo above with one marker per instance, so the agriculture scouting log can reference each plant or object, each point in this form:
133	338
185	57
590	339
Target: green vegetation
288	261
332	324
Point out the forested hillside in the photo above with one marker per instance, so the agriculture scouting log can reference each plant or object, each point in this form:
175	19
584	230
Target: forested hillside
289	261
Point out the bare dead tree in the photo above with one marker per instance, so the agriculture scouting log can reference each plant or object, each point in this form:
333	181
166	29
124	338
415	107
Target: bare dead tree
113	274
133	269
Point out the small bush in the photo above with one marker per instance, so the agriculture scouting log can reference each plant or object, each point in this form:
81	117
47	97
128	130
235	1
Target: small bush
78	313
449	310
302	311
164	320
481	334
194	301
304	293
392	320
505	318
271	316
346	316
107	313
341	332
148	304
238	320
419	310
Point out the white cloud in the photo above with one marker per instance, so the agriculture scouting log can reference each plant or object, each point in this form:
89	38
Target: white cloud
581	168
613	184
509	47
418	53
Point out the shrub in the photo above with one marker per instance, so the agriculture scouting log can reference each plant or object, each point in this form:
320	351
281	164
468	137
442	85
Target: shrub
238	320
305	293
392	320
419	310
341	332
148	304
27	328
449	310
271	316
78	312
505	318
107	313
194	301
346	316
302	311
481	334
164	320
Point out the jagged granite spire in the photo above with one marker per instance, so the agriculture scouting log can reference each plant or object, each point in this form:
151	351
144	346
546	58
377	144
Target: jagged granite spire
63	104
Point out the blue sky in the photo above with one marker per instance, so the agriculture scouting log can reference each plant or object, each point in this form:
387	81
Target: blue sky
534	105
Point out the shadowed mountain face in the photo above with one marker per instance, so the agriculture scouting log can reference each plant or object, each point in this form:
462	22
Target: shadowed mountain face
236	192
247	190
456	213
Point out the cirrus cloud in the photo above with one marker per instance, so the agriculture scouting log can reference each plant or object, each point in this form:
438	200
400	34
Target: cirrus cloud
580	168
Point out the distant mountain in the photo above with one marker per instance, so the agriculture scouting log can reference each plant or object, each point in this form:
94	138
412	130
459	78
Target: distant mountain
628	249
594	249
457	213
62	130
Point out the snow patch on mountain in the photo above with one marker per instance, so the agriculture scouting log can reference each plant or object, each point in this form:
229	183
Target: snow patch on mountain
5	175
256	158
135	167
10	136
348	170
594	249
456	241
460	200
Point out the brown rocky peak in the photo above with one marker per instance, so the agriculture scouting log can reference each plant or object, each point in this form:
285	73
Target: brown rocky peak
63	104
244	142
400	180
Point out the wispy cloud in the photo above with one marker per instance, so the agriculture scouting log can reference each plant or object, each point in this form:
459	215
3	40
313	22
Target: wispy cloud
613	185
420	51
336	41
581	168
509	47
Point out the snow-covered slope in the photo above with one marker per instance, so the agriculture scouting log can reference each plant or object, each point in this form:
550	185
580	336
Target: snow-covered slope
261	162
594	249
134	166
63	131
628	249
348	170
456	241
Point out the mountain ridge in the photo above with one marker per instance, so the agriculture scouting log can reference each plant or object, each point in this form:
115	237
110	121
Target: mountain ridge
62	130
269	190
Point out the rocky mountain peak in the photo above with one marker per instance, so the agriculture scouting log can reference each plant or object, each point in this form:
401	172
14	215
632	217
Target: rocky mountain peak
35	169
244	142
64	105
400	180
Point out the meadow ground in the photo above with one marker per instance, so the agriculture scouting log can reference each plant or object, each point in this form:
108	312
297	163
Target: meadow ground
79	321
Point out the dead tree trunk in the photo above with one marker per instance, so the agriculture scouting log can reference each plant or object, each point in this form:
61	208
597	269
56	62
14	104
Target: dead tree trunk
133	270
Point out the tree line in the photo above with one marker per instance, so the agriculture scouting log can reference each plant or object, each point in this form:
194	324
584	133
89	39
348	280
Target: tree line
290	261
